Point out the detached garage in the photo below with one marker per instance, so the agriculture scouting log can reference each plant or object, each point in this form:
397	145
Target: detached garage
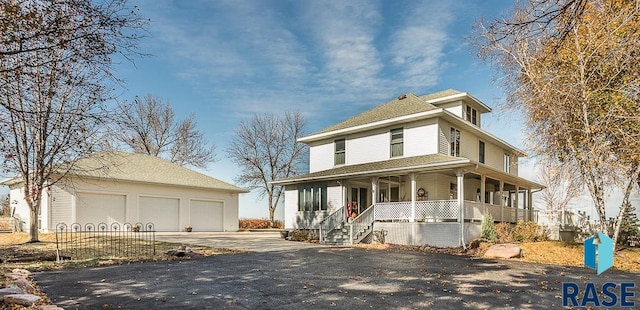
117	187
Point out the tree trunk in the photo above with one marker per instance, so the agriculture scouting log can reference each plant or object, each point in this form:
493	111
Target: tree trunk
272	212
33	225
623	208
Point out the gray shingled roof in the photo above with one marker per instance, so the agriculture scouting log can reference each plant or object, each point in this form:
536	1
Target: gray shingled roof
374	168
440	94
392	109
146	169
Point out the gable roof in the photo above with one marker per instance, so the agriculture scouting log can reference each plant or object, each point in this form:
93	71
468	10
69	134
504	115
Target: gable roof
401	106
132	167
147	169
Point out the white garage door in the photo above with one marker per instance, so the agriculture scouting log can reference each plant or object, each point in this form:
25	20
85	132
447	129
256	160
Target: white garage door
206	215
100	208
164	213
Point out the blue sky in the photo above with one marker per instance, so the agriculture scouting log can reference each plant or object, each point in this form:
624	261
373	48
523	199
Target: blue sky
226	60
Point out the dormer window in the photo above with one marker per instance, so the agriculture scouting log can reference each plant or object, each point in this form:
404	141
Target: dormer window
397	142
471	115
339	158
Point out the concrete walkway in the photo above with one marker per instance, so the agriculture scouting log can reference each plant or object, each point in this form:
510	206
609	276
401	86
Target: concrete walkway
248	241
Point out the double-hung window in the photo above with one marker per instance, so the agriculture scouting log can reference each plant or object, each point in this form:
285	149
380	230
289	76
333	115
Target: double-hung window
339	157
454	139
472	115
397	142
507	163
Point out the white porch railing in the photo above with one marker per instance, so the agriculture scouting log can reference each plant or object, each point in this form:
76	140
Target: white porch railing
332	222
437	210
361	225
392	211
445	210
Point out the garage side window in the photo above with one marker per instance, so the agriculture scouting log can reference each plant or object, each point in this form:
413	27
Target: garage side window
312	198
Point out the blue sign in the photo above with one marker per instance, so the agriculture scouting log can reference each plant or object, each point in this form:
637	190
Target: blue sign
598	256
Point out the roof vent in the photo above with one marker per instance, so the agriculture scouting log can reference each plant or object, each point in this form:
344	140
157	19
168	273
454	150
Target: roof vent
403	96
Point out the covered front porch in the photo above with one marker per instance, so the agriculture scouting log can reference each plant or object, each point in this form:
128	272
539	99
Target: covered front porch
423	195
458	196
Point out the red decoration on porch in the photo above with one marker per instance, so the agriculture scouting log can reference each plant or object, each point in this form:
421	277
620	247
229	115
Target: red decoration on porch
348	209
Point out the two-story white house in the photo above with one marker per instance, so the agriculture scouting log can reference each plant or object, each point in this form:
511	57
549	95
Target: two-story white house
420	169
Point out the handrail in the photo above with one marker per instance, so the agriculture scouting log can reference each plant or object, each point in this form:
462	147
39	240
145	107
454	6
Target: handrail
363	220
332	222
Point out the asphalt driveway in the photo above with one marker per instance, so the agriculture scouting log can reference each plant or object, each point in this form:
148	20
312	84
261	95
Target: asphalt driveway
269	241
320	277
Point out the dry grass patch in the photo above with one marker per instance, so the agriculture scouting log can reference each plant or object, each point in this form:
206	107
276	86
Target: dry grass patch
543	252
560	253
17	253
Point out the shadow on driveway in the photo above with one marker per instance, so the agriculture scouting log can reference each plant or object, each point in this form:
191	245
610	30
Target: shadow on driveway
319	278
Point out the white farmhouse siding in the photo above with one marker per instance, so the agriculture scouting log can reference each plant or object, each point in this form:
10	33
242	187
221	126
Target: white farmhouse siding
62	205
494	156
364	148
20	207
454	107
421	138
443	137
290	206
335	199
468	145
321	155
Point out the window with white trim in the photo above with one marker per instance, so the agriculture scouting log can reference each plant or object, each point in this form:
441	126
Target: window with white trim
471	115
507	162
397	142
340	150
454	139
481	152
312	198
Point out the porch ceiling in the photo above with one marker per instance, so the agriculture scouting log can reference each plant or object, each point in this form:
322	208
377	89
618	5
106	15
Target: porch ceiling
406	165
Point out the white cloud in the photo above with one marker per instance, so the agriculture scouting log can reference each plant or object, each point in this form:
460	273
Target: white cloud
344	32
417	48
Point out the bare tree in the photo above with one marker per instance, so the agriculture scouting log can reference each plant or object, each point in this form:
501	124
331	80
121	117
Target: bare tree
266	148
148	126
571	67
563	184
54	78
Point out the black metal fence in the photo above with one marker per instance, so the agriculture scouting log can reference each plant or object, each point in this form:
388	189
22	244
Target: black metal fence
76	241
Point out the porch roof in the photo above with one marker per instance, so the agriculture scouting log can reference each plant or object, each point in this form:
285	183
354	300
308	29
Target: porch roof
405	165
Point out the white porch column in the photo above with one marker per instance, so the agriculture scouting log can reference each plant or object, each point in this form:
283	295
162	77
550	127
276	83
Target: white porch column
374	190
516	205
460	182
530	203
483	188
501	201
413	197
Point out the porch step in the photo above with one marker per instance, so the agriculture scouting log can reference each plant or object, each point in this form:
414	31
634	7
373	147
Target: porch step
340	236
